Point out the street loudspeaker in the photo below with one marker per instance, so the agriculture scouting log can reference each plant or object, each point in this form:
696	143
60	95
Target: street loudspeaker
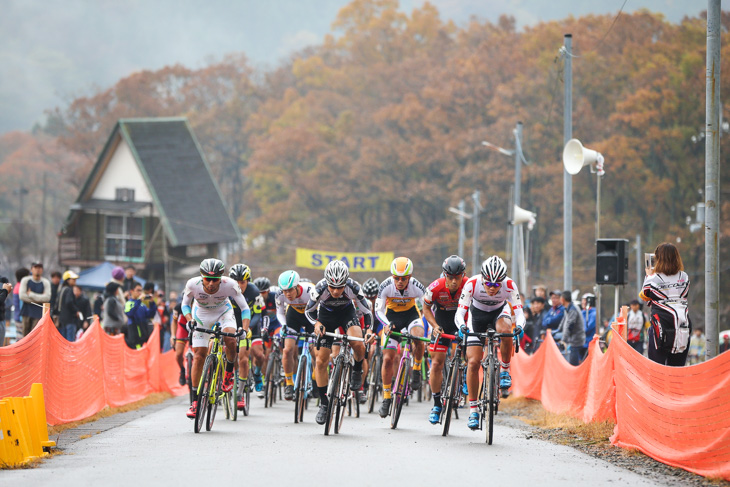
575	156
520	215
612	261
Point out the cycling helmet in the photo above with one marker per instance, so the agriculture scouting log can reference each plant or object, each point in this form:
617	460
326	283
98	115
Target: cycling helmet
370	288
262	283
454	265
240	272
401	266
212	268
288	280
494	269
336	273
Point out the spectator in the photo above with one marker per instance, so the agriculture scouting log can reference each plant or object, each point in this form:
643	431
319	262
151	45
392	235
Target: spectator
163	311
572	329
554	315
68	313
111	309
35	290
138	316
539	291
129	281
148	291
666	287
588	305
5	289
725	345
635	324
84	307
55	287
534	324
17	303
697	347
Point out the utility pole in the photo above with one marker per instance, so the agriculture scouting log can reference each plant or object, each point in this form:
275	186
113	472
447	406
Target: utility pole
517	255
567	181
713	131
475	263
639	263
462	230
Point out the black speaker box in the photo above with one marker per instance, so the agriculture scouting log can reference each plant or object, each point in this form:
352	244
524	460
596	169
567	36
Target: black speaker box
612	261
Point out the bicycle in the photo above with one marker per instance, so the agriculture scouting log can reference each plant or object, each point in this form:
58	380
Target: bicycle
303	377
338	390
211	381
273	373
375	386
454	370
402	389
188	371
489	391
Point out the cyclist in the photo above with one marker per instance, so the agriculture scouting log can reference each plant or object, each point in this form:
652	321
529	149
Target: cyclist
395	307
211	292
443	295
241	273
291	300
268	294
370	291
180	333
331	306
492	299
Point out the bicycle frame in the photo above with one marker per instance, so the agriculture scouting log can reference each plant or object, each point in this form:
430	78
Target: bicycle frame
402	388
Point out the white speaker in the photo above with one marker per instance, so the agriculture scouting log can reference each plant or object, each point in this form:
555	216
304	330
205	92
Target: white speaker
520	215
575	156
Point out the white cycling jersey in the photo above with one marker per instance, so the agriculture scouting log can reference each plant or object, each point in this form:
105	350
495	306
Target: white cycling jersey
209	309
475	294
299	304
391	299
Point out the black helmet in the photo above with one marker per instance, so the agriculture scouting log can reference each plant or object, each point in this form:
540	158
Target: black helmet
370	288
262	283
454	265
212	268
240	272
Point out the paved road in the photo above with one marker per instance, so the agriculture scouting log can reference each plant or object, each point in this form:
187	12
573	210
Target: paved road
267	448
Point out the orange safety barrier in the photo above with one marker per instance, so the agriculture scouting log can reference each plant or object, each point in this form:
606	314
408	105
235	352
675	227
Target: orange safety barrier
81	378
677	415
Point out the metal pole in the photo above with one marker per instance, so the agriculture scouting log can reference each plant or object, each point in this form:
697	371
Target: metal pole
462	231
639	262
615	302
598	235
712	179
517	256
567	181
475	247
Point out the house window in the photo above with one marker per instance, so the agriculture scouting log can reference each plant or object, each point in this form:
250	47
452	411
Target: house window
124	238
125	194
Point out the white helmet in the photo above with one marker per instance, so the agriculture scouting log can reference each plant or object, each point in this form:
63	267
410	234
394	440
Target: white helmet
336	273
494	269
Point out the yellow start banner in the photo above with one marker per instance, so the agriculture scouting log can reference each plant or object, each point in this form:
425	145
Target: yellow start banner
355	261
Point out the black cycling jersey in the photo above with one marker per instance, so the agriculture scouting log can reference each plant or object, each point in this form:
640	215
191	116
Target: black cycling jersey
322	302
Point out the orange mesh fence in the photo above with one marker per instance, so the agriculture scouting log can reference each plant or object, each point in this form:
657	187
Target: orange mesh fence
677	415
81	378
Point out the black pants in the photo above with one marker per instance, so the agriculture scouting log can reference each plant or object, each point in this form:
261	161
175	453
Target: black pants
665	358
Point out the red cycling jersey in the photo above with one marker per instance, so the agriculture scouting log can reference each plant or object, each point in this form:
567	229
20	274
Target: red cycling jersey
439	295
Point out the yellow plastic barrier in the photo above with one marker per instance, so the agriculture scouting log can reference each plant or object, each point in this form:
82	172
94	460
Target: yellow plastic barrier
23	428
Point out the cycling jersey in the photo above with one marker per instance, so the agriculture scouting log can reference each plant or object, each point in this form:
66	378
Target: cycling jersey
398	306
211	308
252	295
445	303
474	296
669	314
291	313
269	309
337	312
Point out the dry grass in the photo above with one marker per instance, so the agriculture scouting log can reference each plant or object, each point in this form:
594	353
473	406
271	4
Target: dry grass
155	398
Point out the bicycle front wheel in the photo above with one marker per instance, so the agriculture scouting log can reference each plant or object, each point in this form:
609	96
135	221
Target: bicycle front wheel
269	389
214	395
492	388
299	392
333	397
188	377
203	392
401	381
343	397
450	395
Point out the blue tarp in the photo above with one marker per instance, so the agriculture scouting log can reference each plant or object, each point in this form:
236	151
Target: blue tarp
96	278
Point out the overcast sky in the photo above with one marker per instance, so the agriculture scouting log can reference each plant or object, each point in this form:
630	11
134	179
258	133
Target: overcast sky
52	51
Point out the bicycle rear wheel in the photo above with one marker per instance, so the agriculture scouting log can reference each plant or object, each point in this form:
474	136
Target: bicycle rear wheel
269	389
401	381
374	383
299	391
203	392
332	396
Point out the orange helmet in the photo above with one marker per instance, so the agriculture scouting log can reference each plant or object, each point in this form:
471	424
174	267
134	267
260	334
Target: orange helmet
401	266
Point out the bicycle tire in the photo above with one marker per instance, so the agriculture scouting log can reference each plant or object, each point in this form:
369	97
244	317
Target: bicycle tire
398	394
299	392
213	400
202	396
269	381
374	383
342	397
188	377
247	392
333	393
492	399
452	390
234	396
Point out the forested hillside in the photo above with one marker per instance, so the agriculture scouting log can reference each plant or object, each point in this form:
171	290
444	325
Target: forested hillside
364	142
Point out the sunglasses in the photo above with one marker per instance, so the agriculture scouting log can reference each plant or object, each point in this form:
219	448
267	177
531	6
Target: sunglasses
493	284
401	278
211	279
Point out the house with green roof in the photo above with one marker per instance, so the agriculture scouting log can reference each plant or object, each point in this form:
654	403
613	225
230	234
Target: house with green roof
150	201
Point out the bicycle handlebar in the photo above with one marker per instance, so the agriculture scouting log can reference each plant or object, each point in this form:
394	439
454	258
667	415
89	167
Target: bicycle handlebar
346	338
408	336
218	332
493	334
